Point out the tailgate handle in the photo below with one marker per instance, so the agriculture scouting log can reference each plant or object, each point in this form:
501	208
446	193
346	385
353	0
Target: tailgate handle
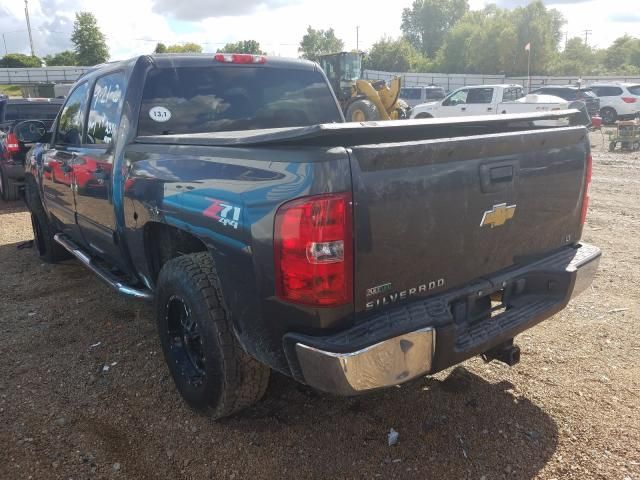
501	174
498	176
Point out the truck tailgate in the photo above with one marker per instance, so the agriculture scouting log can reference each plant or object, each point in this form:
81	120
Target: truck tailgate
432	215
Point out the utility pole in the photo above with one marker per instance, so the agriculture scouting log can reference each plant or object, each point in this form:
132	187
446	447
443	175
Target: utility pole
26	13
4	40
566	39
586	37
357	38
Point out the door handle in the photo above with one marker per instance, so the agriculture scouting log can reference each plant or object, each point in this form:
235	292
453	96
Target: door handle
489	109
464	109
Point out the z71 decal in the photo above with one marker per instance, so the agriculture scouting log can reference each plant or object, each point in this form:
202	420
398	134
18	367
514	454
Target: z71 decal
223	212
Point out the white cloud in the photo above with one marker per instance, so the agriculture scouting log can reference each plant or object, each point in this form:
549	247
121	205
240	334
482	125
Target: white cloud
133	27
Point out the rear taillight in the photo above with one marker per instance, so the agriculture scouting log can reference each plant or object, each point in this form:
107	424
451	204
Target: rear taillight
13	146
242	58
587	188
629	99
313	245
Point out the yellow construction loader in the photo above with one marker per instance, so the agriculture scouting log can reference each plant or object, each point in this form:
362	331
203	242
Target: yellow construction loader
362	100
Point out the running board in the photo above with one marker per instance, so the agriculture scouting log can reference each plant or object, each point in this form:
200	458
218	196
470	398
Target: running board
106	277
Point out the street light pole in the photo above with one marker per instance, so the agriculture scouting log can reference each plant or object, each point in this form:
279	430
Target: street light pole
357	38
4	40
26	13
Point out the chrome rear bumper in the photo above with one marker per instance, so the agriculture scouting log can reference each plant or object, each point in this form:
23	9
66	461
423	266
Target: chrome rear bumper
375	355
383	364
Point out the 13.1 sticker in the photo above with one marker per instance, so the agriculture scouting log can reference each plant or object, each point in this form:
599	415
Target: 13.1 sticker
160	114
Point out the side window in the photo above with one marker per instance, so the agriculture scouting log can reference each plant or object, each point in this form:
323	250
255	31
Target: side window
509	95
106	105
480	95
457	98
71	122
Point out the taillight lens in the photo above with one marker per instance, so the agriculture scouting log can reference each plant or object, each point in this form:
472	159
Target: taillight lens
242	58
13	146
629	99
587	188
313	244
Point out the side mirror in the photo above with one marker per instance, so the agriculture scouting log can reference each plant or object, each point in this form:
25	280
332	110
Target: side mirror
31	131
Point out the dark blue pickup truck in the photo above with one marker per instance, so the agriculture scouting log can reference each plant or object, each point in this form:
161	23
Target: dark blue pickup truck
270	234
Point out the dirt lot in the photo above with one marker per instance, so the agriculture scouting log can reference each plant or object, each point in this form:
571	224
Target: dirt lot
569	410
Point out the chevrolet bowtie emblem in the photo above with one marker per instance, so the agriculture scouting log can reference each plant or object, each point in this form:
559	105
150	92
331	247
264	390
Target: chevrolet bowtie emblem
498	215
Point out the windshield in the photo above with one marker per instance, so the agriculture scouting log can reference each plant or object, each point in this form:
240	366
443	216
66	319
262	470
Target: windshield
216	99
351	67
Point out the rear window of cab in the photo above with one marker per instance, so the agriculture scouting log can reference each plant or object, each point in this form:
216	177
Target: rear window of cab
216	99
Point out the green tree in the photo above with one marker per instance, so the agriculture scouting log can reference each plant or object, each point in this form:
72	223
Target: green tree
64	58
576	59
426	23
395	56
90	43
243	46
182	48
623	56
160	48
492	41
19	60
319	42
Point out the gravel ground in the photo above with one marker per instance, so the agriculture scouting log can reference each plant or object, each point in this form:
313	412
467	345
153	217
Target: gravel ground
84	392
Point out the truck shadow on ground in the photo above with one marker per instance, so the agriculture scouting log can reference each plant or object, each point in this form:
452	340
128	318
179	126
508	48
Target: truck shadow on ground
12	207
462	426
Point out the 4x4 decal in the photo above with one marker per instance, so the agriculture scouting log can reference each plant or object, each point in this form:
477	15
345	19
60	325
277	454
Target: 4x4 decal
223	212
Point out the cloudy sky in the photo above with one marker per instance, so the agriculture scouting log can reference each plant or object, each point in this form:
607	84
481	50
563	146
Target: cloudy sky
134	26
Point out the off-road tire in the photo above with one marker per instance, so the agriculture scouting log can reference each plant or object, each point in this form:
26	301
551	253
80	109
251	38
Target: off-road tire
47	248
609	115
9	190
368	109
226	379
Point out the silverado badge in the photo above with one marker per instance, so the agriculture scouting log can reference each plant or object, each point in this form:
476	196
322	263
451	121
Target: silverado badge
498	215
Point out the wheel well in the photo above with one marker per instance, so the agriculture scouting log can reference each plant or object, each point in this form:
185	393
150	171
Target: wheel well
164	242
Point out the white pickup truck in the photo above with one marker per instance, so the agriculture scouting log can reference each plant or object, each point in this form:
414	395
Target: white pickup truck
487	100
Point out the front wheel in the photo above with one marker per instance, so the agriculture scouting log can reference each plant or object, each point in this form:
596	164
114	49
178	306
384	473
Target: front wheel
48	249
612	146
212	372
362	110
423	115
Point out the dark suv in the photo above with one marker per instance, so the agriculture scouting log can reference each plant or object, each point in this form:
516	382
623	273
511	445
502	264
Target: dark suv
12	151
573	93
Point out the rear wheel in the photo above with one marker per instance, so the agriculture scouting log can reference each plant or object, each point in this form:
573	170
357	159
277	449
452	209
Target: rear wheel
362	110
210	369
612	146
609	115
9	191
